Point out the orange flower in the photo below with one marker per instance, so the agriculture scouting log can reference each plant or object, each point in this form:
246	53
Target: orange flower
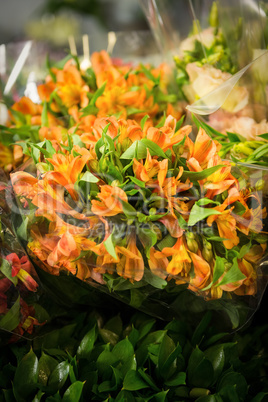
109	204
145	172
21	268
246	286
220	180
202	150
226	226
67	169
24	184
131	264
158	263
166	136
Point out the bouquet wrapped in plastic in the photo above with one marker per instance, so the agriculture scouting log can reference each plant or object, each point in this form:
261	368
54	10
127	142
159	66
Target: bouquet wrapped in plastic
122	200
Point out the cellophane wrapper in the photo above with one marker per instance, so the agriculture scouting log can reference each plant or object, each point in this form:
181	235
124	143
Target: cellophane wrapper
139	250
19	284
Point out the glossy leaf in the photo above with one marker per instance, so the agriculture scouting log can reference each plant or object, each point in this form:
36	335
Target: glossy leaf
86	345
26	376
46	366
74	392
58	377
134	382
12	318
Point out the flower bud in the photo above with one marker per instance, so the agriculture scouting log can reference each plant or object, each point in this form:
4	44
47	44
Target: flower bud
103	164
93	165
126	143
260	185
157	231
191	242
152	211
207	252
214	15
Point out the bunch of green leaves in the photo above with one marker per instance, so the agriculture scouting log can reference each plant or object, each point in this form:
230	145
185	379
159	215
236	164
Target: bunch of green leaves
136	359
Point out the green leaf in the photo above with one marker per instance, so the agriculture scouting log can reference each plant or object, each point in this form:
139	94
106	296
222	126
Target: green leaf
209	130
134	382
204	174
46	366
215	354
233	380
137	182
58	377
176	380
218	271
11	319
105	360
22	229
200	370
61	63
128	209
235	137
74	392
265	136
261	395
138	150
179	123
123	350
109	245
25	380
154	280
6	269
149	75
97	94
201	328
89	109
161	396
148	239
166	348
38	396
233	275
198	214
143	121
44	116
147	378
154	149
168	241
86	345
89	178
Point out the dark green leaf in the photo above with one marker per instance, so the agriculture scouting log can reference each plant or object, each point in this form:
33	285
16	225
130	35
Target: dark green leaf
134	382
86	345
209	130
215	355
46	366
25	380
74	392
11	319
201	328
179	123
176	380
148	239
58	377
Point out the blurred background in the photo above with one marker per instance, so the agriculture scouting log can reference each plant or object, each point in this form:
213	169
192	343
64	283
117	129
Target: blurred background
55	20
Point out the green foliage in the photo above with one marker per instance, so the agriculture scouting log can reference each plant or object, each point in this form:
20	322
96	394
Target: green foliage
137	359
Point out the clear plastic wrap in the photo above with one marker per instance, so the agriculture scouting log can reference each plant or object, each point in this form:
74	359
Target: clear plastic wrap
19	284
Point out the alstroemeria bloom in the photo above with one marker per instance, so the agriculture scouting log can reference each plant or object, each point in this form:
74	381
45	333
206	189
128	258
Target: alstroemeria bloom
158	263
67	169
21	268
201	151
166	136
109	204
147	171
131	265
246	286
226	226
219	181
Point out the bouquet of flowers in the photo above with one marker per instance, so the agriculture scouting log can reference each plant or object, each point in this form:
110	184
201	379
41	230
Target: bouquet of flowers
121	198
